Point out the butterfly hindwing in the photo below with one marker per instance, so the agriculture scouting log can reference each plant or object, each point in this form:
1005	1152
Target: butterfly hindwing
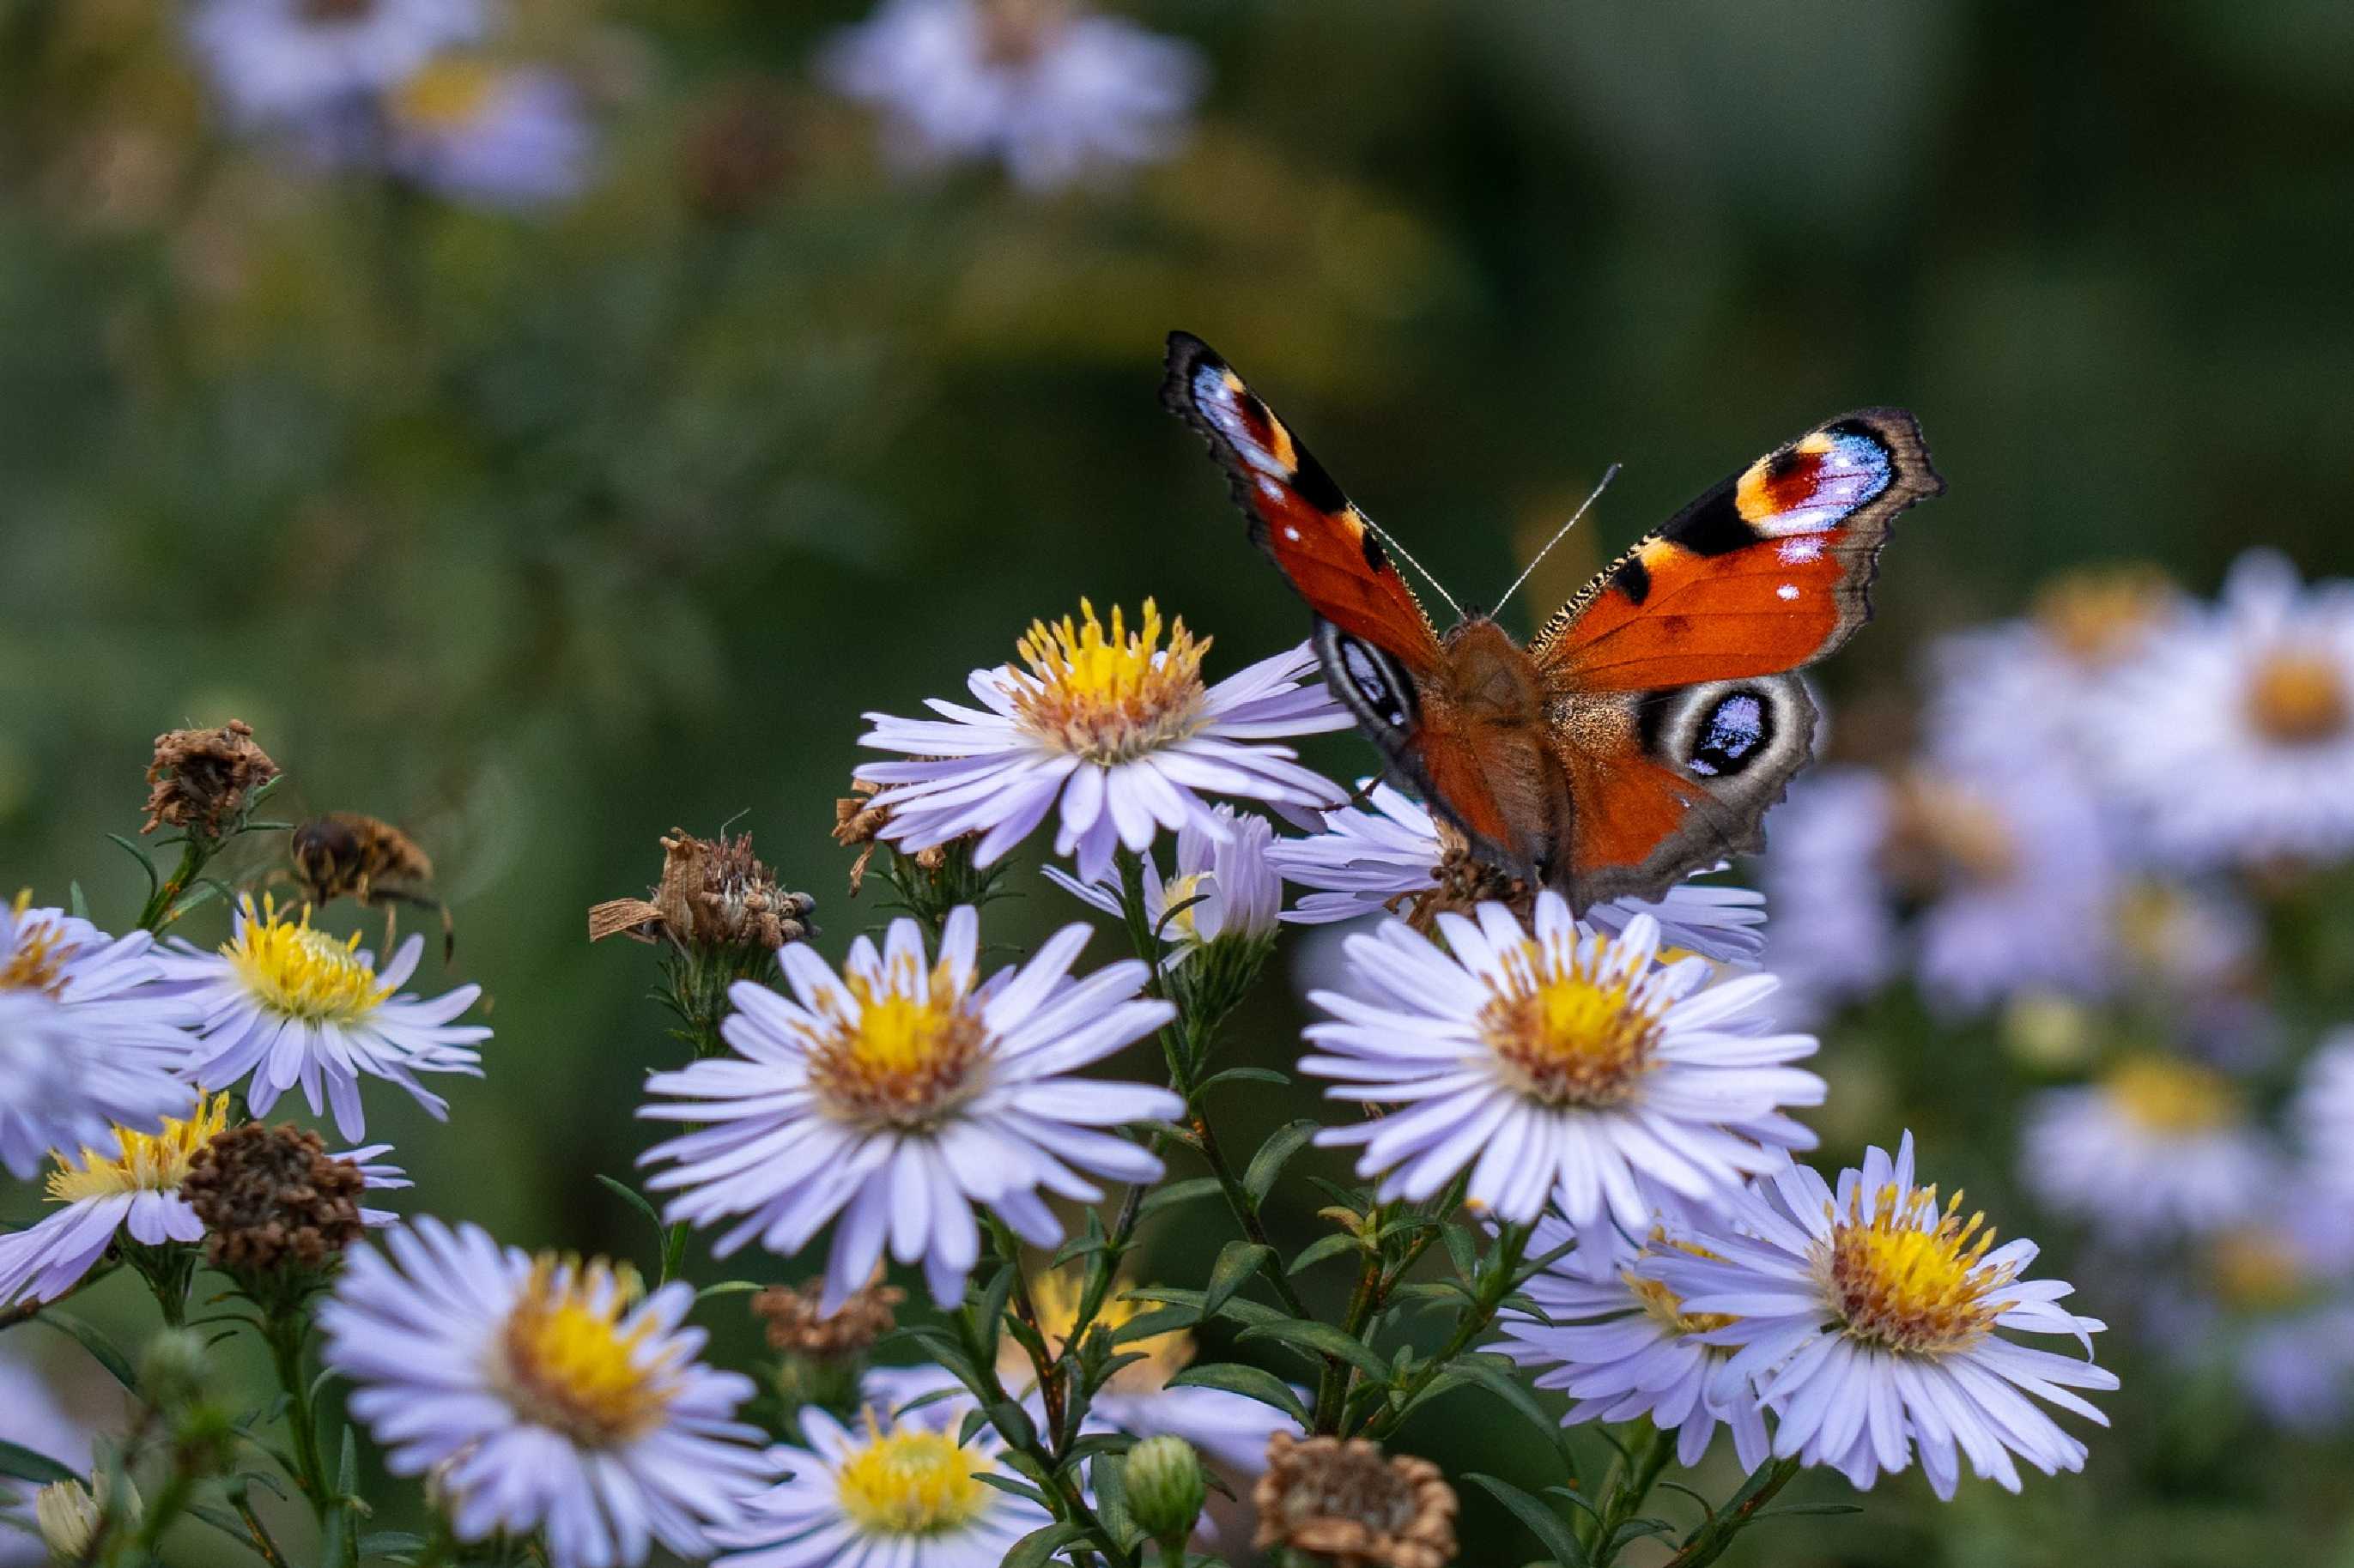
1298	515
1769	571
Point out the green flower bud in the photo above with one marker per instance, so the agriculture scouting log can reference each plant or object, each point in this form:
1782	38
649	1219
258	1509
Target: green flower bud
69	1514
1165	1487
173	1369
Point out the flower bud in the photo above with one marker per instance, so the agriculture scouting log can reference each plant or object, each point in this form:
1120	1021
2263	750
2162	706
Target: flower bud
173	1369
69	1514
1165	1487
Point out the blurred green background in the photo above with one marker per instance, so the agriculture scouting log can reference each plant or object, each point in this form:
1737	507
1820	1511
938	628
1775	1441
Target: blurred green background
542	534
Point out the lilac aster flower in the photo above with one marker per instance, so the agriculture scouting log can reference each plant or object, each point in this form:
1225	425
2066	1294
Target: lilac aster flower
1556	1066
512	137
276	60
2158	1146
1225	884
1871	1318
1117	735
902	1093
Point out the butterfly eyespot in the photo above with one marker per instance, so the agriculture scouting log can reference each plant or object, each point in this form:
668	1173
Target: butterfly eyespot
1731	735
1368	680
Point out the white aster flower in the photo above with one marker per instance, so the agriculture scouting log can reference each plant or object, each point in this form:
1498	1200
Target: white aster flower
1870	1318
1562	1065
1622	1346
288	1004
1057	93
2232	739
88	1038
1225	884
2028	687
1365	863
1118	731
134	1194
2158	1146
884	1494
901	1093
2323	1113
280	60
545	1394
512	137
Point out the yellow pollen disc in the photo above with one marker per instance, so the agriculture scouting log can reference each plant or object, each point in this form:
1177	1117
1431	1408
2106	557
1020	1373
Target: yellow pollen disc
1665	1307
1566	1036
144	1162
1908	1279
1056	1298
1176	892
1941	833
2099	618
906	1056
38	962
298	972
908	1481
449	94
2171	1097
1107	696
564	1361
2298	697
2257	1270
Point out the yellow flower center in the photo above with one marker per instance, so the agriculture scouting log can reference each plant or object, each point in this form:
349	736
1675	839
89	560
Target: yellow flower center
1056	1298
449	94
2099	616
1665	1307
908	1054
2257	1270
1941	834
38	961
1186	891
2169	1097
2298	697
302	973
1907	1278
1565	1035
144	1162
909	1481
1109	696
564	1360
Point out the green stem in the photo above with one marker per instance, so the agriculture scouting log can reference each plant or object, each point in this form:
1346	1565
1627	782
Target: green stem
1708	1543
164	1508
285	1333
157	913
1495	1283
1064	1497
1631	1482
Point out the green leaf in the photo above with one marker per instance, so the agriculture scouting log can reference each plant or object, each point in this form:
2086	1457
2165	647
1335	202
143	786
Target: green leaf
1543	1522
1244	1075
1783	1510
22	1464
1462	1251
1011	1486
1323	1339
1320	1249
1038	1548
1158	1321
154	883
77	902
102	1349
1242	1308
1108	1475
1013	1423
1238	1261
1273	1155
386	1543
1183	1191
634	1198
1497	1380
1251	1382
728	1287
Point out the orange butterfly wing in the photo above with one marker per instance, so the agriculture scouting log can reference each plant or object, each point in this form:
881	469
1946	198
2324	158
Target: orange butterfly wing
1298	515
1769	571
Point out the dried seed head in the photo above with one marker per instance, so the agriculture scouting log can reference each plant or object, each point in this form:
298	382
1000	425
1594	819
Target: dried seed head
1353	1506
796	1328
714	893
273	1196
857	823
200	779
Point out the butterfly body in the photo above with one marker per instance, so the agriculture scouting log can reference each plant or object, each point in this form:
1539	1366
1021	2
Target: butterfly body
1644	731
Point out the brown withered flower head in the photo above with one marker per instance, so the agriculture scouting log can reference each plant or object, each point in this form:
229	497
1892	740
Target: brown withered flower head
270	1196
713	893
796	1327
201	779
857	821
1353	1506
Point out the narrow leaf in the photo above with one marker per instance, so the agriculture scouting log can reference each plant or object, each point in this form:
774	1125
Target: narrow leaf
1273	1155
1543	1522
23	1465
1183	1191
102	1349
1238	1261
1323	1339
1038	1548
1251	1382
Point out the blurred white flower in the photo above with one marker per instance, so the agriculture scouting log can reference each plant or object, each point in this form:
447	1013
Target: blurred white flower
89	1040
1364	863
2323	1113
285	60
510	137
2158	1146
2232	738
1621	1346
1225	884
1118	731
1870	1318
1057	93
901	1093
291	1005
545	1395
134	1193
1555	1066
906	1494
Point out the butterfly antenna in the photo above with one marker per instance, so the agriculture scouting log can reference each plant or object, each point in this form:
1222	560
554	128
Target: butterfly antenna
1400	552
1559	535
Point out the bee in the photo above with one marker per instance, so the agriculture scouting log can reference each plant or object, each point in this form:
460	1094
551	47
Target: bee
346	854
